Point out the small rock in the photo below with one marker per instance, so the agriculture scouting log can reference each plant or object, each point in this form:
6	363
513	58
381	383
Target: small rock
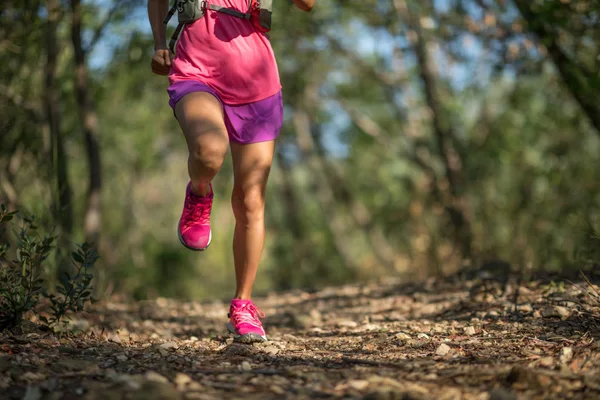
422	336
428	309
525	308
121	357
469	331
291	338
546	362
549	312
566	354
272	350
358	384
277	390
239	350
443	349
563	312
169	345
114	337
402	336
181	380
155	377
371	327
163	352
194	386
347	324
246	366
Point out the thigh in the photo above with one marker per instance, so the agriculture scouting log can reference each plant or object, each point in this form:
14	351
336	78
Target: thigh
251	165
200	116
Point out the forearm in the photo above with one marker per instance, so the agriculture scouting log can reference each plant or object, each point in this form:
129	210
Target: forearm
157	10
305	5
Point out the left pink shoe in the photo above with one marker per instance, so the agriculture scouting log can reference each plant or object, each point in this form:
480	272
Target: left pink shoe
194	226
244	322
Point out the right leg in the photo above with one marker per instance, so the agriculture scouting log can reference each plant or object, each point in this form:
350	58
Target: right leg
200	116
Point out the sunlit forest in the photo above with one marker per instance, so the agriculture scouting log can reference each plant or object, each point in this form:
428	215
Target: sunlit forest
432	214
421	138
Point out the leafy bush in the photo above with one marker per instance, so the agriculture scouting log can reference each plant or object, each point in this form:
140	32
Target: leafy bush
22	279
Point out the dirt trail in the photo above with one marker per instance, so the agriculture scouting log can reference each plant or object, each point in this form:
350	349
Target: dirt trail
388	341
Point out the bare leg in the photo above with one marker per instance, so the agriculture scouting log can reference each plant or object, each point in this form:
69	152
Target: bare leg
251	165
200	116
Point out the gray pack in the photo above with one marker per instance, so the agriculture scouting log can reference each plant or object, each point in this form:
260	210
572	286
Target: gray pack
259	13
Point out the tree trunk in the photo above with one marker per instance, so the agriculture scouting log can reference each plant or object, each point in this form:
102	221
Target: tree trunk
455	202
63	211
89	123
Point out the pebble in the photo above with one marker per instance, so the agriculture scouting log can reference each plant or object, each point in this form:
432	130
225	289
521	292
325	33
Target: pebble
443	349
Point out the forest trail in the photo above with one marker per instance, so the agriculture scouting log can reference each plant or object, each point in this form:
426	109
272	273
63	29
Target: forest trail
437	340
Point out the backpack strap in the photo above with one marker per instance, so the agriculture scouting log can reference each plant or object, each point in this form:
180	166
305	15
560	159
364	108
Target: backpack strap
175	36
230	11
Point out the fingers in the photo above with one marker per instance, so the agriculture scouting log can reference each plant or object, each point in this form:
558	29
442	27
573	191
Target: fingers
161	62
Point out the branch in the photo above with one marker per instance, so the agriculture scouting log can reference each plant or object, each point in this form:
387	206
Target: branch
579	83
116	6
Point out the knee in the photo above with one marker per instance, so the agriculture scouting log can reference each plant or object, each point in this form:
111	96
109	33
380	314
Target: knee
248	204
209	152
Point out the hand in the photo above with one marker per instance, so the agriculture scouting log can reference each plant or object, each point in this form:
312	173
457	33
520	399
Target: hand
161	61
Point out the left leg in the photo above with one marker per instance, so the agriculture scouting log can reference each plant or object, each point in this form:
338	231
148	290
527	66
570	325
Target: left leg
256	125
251	166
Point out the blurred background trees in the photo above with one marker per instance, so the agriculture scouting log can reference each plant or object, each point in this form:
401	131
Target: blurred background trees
420	138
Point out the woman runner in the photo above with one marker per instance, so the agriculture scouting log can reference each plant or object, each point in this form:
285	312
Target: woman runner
225	93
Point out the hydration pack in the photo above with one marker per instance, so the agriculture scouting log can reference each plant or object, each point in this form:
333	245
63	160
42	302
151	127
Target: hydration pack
259	13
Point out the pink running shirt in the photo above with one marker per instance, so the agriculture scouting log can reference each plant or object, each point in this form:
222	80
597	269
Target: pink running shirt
229	55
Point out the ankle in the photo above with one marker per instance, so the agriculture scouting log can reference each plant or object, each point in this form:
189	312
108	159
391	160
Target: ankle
243	296
202	190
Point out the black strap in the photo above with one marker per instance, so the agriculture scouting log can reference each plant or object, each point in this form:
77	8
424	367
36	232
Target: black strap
175	37
171	12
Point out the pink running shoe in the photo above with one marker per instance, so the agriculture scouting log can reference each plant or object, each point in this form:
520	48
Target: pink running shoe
194	224
244	322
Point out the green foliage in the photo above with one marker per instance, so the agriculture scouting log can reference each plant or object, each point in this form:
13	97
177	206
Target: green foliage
373	175
22	279
73	291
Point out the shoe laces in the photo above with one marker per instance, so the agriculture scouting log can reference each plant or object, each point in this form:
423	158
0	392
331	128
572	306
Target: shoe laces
197	212
246	313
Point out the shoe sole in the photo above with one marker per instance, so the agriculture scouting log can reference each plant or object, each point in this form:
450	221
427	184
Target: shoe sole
247	338
193	248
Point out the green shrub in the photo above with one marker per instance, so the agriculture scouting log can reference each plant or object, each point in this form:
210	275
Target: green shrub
22	278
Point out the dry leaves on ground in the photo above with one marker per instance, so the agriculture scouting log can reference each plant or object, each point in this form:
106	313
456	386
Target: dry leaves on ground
387	341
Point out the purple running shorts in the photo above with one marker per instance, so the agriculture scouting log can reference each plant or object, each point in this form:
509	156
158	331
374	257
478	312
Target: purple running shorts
255	122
